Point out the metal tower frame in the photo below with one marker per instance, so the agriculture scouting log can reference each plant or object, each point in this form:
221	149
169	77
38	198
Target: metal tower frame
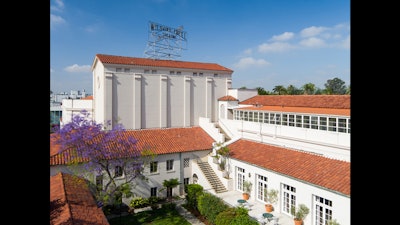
165	42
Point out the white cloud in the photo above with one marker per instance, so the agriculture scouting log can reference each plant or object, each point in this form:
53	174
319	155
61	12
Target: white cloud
312	42
274	47
283	37
346	42
248	51
249	61
312	31
78	69
59	6
56	20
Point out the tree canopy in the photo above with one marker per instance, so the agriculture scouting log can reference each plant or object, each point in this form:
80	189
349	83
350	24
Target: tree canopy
109	153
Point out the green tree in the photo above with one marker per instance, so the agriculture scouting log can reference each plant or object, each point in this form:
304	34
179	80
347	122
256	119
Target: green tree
308	88
280	89
292	90
90	150
169	185
335	86
261	91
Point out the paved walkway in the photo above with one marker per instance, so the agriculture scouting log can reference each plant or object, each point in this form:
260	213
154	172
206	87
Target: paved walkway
186	214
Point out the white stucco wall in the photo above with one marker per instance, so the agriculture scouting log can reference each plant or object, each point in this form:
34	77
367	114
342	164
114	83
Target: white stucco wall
304	192
141	100
72	107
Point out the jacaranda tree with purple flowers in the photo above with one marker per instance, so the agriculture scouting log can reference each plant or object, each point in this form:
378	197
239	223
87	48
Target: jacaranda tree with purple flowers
93	151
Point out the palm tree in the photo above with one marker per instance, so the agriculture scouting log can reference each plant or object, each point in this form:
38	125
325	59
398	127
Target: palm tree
280	89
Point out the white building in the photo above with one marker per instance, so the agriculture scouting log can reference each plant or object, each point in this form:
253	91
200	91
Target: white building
146	93
57	109
267	135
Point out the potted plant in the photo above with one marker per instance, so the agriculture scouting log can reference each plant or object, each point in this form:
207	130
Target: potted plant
247	189
271	197
299	213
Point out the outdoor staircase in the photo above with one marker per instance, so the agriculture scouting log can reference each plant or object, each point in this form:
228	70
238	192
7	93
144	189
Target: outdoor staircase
212	177
227	138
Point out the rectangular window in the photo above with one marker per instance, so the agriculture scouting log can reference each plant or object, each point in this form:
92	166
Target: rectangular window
278	119
153	191
186	181
251	116
118	69
127	70
245	118
178	72
118	171
255	116
332	124
186	162
215	74
194	73
171	72
291	120
314	122
170	164
289	198
261	117
342	125
322	123
348	126
153	167
298	120
240	178
146	71
272	118
262	187
266	117
153	71
200	74
323	210
306	121
284	119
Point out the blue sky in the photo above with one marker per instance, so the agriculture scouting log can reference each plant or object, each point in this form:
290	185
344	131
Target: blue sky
266	43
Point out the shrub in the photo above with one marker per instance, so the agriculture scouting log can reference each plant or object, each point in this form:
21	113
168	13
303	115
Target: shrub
138	202
210	206
193	191
243	220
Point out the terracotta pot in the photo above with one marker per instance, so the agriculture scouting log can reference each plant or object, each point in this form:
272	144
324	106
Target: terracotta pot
246	196
269	208
298	222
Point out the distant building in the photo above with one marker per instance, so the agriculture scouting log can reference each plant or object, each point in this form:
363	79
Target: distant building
56	101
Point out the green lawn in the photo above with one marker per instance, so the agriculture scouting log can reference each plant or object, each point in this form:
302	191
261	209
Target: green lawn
161	216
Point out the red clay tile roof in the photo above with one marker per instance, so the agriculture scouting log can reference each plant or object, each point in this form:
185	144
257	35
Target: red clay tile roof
228	98
313	104
309	101
72	203
161	141
112	59
90	97
318	170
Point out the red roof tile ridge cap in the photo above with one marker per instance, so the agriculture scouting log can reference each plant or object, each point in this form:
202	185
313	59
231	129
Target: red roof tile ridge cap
68	206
